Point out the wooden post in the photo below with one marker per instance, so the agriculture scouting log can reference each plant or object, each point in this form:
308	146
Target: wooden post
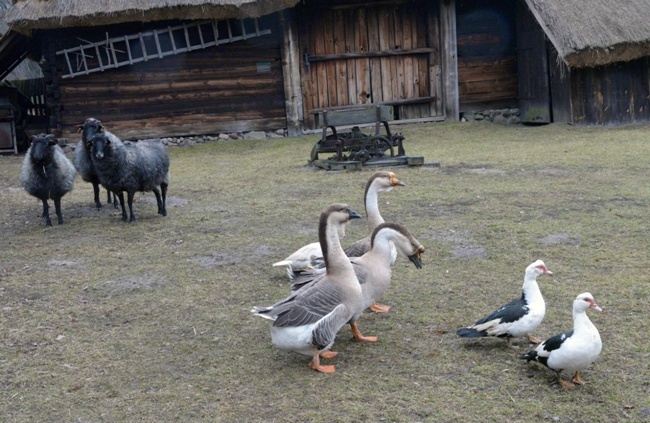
291	74
449	58
435	72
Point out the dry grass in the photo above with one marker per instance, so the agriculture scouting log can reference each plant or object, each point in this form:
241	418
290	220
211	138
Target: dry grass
107	321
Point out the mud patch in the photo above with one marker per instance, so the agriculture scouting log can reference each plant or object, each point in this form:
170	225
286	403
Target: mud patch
560	238
216	260
169	201
64	265
484	171
144	282
468	251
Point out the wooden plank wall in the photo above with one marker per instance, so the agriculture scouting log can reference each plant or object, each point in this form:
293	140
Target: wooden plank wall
487	56
208	91
355	59
612	94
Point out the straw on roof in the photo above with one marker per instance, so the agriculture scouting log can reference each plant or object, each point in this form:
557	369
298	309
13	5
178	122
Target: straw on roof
26	15
595	32
27	69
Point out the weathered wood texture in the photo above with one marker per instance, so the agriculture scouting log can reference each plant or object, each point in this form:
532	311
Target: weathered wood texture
612	94
368	53
487	53
231	87
449	58
560	82
534	89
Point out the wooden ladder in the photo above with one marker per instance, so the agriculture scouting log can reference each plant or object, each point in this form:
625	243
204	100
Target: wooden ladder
114	52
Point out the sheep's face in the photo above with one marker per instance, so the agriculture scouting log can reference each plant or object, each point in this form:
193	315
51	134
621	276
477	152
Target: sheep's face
41	147
99	143
88	130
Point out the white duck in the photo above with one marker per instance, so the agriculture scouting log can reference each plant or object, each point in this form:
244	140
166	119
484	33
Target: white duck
517	318
571	351
307	321
373	269
310	256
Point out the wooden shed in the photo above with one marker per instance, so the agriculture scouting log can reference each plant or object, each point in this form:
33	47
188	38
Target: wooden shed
191	67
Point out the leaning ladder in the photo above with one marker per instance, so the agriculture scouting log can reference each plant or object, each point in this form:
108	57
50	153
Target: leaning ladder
114	52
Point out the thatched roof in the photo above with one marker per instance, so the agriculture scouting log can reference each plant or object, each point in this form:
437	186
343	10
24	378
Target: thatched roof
595	32
27	69
26	15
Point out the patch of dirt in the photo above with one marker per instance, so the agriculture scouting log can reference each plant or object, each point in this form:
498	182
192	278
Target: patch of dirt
144	282
469	251
64	265
169	201
560	238
216	260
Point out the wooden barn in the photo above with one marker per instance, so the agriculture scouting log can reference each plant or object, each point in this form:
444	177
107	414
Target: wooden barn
192	67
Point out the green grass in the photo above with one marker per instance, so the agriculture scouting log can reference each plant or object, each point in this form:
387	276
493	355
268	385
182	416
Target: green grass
107	321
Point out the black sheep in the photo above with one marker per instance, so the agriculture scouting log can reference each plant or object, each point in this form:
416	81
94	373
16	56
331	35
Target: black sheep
141	166
47	173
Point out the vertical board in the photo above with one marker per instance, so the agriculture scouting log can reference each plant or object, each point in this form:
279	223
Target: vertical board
362	66
532	66
560	82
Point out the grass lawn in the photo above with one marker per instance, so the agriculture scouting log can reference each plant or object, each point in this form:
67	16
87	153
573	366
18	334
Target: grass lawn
105	321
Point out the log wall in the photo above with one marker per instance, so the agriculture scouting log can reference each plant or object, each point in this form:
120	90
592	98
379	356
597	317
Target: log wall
230	87
612	94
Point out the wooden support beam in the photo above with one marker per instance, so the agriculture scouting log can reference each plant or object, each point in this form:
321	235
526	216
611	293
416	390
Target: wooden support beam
291	73
449	58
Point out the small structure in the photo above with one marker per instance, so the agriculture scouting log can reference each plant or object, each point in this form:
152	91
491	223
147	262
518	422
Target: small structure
354	149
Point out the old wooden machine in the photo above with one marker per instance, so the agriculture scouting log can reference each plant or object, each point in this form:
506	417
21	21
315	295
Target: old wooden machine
355	149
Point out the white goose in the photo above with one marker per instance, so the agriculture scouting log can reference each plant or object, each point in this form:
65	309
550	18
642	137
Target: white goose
307	321
517	318
571	351
373	269
310	256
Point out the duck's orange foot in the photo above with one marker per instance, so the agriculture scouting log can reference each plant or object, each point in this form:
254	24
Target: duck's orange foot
576	379
321	368
533	339
329	354
566	383
379	308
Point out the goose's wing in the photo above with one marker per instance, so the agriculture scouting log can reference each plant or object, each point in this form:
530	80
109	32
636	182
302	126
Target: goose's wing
359	248
309	305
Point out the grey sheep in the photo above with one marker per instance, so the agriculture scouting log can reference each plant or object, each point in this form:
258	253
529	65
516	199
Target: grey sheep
83	163
132	167
47	173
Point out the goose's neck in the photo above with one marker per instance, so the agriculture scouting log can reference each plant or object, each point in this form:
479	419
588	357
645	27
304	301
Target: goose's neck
335	259
372	209
382	246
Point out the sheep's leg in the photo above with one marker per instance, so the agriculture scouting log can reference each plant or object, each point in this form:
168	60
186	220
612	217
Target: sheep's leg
158	200
163	188
115	202
98	203
46	213
57	207
121	194
130	198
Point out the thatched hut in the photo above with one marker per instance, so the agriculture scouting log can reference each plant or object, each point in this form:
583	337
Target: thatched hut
187	67
585	63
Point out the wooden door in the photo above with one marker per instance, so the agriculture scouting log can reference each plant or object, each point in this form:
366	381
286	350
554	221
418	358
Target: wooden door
532	66
371	54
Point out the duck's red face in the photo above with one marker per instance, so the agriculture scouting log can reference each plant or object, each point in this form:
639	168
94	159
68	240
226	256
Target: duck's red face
592	304
542	268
